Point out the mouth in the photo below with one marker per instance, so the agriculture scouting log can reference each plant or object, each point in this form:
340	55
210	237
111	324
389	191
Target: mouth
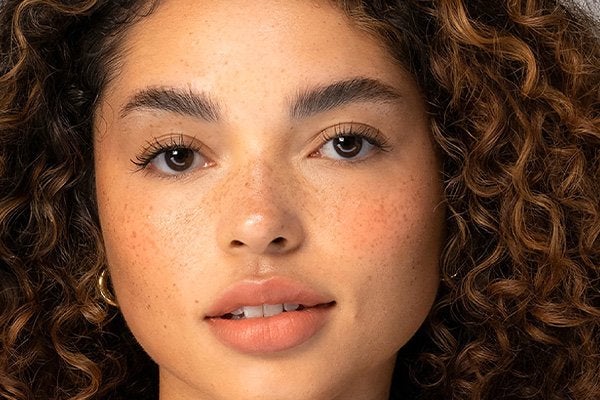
277	314
269	310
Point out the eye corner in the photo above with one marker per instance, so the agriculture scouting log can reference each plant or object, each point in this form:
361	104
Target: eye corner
315	154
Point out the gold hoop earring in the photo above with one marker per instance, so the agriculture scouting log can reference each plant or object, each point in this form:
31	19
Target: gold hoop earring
450	278
108	297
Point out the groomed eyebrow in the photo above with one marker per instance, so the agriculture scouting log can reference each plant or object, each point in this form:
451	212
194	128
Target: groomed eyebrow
306	103
180	101
324	98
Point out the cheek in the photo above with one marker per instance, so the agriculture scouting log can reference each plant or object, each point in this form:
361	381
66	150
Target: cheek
155	253
128	241
386	259
393	224
147	241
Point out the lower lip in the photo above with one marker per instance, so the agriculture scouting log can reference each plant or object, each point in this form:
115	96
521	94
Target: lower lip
270	334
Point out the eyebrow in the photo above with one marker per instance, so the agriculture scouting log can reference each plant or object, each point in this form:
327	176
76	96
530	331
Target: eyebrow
180	101
305	104
338	94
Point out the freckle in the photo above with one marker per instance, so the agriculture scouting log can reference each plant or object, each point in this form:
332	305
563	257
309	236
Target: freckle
196	301
133	234
165	326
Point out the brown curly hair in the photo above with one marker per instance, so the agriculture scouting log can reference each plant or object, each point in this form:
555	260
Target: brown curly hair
513	90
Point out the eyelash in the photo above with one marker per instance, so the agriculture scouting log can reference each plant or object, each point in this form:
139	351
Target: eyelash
154	148
366	132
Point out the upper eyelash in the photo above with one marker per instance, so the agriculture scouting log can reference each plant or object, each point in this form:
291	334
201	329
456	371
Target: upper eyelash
153	148
372	135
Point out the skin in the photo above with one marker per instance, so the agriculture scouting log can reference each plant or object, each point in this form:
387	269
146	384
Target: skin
367	233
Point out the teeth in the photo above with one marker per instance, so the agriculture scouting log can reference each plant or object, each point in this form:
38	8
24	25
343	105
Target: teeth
265	310
291	307
253	311
272	309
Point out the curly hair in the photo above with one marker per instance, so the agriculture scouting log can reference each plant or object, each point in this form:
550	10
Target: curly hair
513	90
518	120
57	338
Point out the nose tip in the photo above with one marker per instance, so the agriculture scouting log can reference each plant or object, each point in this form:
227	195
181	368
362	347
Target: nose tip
260	208
274	232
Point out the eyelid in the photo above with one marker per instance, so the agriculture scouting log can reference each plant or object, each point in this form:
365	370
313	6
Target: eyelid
368	132
163	143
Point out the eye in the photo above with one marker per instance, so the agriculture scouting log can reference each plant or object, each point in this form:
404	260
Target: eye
347	147
351	142
177	160
173	158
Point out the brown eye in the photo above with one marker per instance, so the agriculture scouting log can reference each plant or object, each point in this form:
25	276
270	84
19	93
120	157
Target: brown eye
179	159
351	142
348	146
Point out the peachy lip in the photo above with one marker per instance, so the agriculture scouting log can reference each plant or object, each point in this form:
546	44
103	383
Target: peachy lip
273	333
272	291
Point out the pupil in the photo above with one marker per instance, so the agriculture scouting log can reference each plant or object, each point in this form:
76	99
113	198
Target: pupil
348	146
179	159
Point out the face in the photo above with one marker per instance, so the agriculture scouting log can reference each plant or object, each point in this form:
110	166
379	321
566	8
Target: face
269	198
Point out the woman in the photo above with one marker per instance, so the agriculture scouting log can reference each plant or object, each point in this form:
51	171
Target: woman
299	200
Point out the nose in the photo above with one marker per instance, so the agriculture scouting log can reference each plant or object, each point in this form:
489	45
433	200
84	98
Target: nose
259	215
262	232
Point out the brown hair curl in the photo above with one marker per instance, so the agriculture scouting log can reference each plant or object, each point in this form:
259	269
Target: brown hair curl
53	334
513	88
518	120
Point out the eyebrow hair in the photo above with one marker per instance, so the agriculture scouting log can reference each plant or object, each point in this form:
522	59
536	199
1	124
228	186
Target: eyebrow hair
314	101
305	104
180	101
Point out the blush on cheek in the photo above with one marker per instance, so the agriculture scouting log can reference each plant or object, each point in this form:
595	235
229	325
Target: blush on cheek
385	222
391	244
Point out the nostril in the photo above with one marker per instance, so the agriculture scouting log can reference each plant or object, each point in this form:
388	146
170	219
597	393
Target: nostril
280	241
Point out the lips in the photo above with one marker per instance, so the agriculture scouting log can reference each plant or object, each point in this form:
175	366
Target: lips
265	310
268	316
271	292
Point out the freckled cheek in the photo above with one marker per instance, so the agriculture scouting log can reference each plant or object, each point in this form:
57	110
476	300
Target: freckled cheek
386	246
145	285
385	260
148	249
388	225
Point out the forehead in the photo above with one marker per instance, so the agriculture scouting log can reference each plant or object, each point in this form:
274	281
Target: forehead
187	40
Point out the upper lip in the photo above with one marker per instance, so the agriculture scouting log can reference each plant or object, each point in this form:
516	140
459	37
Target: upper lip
276	290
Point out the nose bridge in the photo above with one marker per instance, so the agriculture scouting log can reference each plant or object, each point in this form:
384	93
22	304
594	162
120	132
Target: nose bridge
260	179
261	183
258	213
